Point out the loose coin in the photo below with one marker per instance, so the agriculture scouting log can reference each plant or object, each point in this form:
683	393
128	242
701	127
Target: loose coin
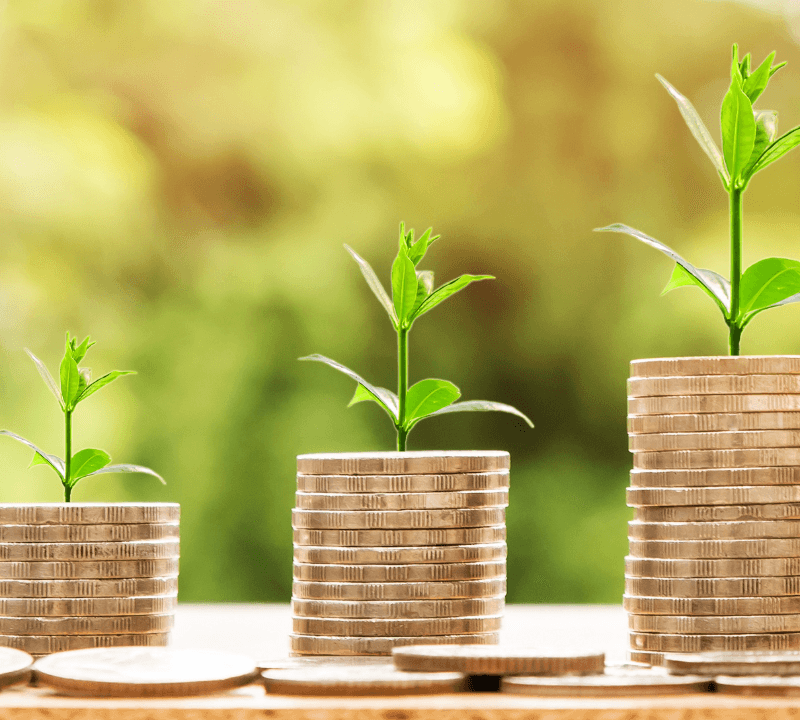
318	645
81	552
401	501
399	463
145	672
497	660
717	365
647	658
679	549
398	609
727	477
717	568
15	666
742	495
410	627
87	533
365	484
118	588
107	569
712	606
657	442
113	625
388	519
724	404
661	642
712	587
735	663
360	680
88	513
714	625
398	591
617	685
714	422
718	513
758	685
714	530
763	457
400	555
425	536
46	644
714	385
399	573
65	607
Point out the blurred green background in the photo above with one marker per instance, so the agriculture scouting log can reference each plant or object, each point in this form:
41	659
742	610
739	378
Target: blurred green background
177	179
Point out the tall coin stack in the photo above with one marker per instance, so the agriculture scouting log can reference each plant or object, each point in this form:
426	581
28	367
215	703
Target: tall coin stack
81	575
714	561
398	549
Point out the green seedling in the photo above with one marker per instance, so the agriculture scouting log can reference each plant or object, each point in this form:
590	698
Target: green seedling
749	144
76	385
413	295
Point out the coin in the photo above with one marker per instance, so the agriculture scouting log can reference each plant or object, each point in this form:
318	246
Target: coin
360	680
401	501
722	567
648	658
318	645
87	533
763	457
118	588
46	644
714	530
714	422
55	607
626	685
657	442
398	608
728	477
145	672
426	536
399	573
714	385
735	663
400	555
718	513
88	513
81	552
661	642
713	625
411	627
15	666
388	519
699	404
717	365
712	606
86	625
712	587
449	482
398	591
763	686
497	660
769	548
400	463
741	495
70	570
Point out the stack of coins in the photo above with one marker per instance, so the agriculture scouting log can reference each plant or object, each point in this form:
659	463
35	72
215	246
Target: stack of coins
82	575
398	549
714	561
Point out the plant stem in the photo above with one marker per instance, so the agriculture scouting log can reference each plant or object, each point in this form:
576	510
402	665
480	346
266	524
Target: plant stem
68	454
402	386
736	267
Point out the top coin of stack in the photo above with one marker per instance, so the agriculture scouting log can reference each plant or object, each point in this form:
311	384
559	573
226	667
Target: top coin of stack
397	548
83	575
716	492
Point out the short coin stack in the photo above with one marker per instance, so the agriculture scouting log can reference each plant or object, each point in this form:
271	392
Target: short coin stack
714	561
83	575
397	549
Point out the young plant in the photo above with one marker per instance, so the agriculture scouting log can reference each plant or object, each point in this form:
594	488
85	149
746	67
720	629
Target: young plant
749	144
412	296
76	385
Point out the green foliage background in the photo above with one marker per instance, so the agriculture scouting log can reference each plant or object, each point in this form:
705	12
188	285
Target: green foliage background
177	180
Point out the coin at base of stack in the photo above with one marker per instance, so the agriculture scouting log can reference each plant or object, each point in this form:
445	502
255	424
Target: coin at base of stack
319	645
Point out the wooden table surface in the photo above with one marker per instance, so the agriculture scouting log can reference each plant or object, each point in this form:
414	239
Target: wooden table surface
261	631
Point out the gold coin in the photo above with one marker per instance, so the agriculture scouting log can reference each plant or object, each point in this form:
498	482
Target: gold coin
401	501
46	644
399	573
714	625
81	552
723	567
73	570
628	685
714	422
659	442
145	672
87	533
769	548
390	519
497	660
360	680
718	513
714	385
365	484
740	495
427	536
727	477
662	642
64	607
714	530
116	625
412	627
398	591
712	587
403	463
118	588
400	555
712	606
398	609
763	457
717	365
88	513
735	663
319	645
649	658
761	686
700	404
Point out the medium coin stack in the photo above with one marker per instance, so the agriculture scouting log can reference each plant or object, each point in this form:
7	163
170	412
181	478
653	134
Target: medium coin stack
83	575
714	559
398	549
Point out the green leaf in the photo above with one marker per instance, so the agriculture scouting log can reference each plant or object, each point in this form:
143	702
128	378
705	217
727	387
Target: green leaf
424	287
385	398
362	394
70	380
47	377
417	251
776	68
404	286
53	461
37	459
744	66
80	352
126	468
445	291
374	284
428	396
738	129
698	129
768	282
481	406
715	285
736	70
766	126
85	462
776	150
101	382
754	85
681	278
